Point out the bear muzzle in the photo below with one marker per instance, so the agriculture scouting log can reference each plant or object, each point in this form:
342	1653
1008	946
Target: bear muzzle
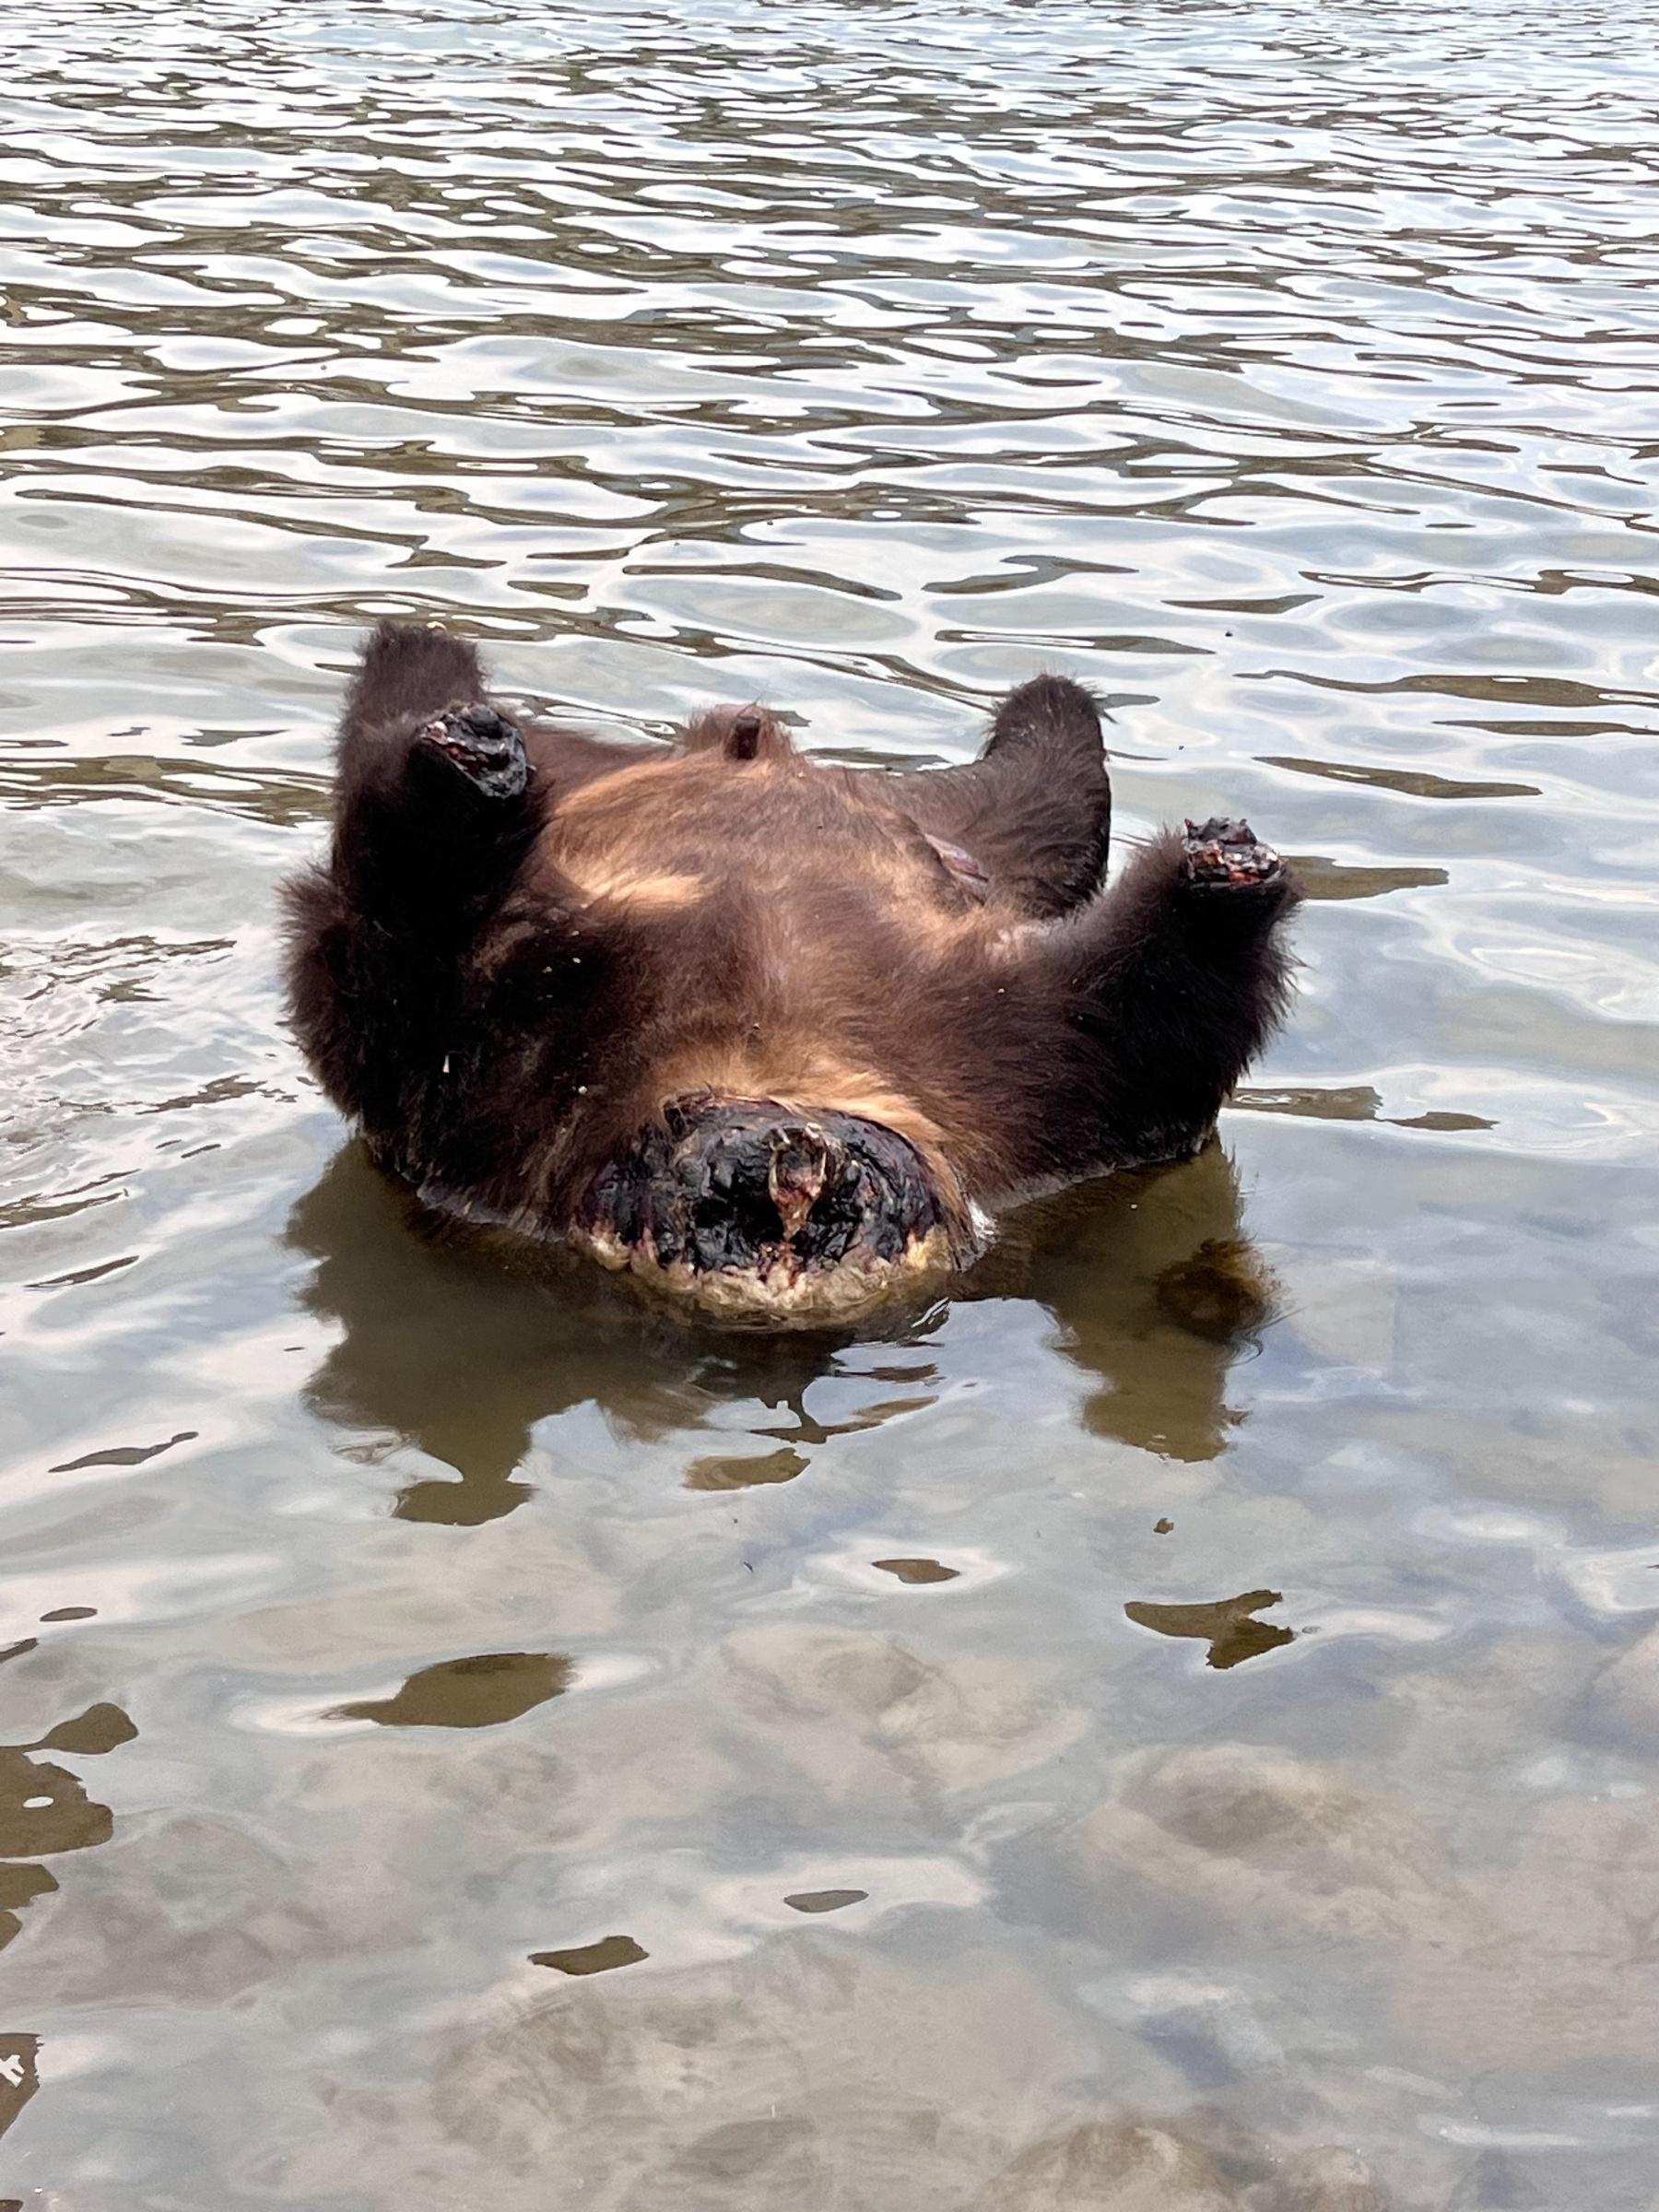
746	1210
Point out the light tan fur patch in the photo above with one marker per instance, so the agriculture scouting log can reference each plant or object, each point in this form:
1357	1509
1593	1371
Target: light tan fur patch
645	891
638	776
804	1082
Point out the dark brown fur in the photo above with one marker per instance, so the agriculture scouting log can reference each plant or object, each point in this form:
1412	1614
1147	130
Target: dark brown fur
504	991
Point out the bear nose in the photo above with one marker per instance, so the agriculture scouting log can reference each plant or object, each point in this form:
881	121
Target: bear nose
749	1185
803	1163
746	1187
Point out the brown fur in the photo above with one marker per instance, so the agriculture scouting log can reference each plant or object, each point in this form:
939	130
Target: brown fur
501	991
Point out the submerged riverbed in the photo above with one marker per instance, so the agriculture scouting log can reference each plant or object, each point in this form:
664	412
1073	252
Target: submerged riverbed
1111	1742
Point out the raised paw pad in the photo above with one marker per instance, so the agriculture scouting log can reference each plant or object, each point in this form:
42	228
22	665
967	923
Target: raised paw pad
484	746
1226	853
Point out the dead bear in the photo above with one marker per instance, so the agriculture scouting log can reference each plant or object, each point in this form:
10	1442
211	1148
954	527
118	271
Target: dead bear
774	1037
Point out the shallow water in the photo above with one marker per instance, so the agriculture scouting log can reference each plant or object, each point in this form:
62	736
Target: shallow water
1113	1744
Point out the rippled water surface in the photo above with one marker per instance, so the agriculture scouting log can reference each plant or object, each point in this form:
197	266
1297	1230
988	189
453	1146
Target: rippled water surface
1113	1745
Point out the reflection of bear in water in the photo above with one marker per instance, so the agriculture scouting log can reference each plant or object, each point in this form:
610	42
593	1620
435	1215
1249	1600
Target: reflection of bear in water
443	1350
771	1036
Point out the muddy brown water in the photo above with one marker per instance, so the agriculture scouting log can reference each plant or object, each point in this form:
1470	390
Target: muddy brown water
470	1747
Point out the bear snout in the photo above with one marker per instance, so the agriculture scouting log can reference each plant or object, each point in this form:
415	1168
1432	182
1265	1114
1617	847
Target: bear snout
743	1209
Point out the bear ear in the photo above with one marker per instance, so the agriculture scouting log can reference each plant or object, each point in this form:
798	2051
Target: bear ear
412	668
1034	809
1051	714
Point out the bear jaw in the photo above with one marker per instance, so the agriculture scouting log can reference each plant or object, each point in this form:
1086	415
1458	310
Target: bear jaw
745	1211
784	1291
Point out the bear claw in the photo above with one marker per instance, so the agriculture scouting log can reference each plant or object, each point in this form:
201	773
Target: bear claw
1226	855
482	745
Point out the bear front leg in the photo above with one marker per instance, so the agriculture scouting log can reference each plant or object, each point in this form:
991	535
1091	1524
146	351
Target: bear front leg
1158	993
435	808
435	800
1186	976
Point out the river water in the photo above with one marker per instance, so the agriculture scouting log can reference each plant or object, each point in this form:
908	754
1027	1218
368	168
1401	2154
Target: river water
1177	1726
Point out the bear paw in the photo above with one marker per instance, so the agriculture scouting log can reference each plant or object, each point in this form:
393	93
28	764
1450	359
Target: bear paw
1223	855
481	746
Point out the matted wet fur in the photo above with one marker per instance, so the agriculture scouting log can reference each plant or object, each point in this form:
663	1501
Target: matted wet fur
773	1036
